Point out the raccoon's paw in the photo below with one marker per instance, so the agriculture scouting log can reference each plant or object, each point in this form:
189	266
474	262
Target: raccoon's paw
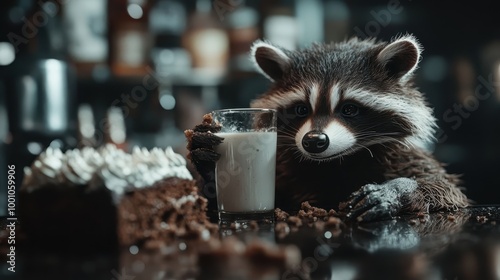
201	142
378	202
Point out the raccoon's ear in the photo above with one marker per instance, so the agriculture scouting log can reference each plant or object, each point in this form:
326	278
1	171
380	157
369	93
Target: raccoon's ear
271	61
400	58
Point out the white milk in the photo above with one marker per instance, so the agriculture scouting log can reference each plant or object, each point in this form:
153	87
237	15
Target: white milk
245	173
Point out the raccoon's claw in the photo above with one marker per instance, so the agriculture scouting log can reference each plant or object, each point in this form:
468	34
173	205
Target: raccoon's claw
378	202
369	203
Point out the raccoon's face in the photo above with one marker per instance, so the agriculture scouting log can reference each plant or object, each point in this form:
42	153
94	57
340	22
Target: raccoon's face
334	100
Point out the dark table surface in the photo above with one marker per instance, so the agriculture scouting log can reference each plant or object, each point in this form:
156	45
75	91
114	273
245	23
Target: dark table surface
458	245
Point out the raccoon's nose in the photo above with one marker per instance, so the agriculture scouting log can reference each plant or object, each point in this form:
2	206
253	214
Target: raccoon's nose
315	142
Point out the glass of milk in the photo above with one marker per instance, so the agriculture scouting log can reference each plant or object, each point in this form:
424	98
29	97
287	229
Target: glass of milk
245	172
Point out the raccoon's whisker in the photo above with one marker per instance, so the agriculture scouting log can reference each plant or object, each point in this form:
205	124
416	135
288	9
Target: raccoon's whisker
285	141
383	141
288	148
298	155
287	133
376	139
286	138
285	145
374	133
370	141
364	147
375	125
301	158
289	129
402	143
280	143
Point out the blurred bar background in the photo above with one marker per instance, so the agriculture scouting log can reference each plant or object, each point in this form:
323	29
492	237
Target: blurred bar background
77	73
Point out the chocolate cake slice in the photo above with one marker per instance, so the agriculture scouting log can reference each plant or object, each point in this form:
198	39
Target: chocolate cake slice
201	142
168	210
105	199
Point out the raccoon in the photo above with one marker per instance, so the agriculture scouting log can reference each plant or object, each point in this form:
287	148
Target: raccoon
353	129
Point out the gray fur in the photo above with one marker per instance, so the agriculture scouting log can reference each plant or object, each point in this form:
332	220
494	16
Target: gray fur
389	199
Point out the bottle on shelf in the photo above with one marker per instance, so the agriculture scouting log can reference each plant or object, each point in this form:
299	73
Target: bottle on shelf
206	41
242	25
337	20
167	23
129	37
115	131
280	25
86	126
85	27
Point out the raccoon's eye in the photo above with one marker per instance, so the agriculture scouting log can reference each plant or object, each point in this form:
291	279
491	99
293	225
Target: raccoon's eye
350	110
301	110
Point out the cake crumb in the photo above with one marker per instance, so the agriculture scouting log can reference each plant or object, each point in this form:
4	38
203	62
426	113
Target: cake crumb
482	219
333	222
280	215
308	215
320	226
253	225
265	253
294	221
282	229
312	214
207	119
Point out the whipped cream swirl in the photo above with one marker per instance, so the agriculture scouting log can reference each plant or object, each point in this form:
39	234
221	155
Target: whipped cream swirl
108	166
